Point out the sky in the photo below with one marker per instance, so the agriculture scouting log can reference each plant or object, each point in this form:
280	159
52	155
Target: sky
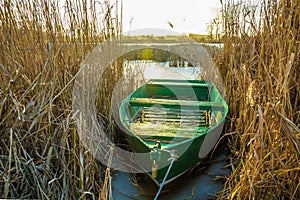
186	16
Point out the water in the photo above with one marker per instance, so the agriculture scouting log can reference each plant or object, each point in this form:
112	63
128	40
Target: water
200	183
161	70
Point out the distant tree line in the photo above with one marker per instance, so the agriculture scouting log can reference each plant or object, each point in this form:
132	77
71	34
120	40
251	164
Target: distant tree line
160	55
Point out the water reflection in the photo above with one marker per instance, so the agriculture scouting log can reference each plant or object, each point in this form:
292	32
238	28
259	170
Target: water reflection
159	70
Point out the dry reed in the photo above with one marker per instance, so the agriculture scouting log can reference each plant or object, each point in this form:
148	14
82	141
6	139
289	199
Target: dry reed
42	44
41	47
261	68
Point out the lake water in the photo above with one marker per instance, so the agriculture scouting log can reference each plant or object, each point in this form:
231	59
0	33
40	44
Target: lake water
202	182
160	70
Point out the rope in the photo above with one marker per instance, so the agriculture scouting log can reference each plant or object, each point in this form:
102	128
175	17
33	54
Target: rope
173	158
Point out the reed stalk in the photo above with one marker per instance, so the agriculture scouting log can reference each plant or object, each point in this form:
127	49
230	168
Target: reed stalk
42	44
261	68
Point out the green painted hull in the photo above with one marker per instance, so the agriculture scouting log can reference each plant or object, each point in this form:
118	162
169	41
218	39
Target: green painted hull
172	115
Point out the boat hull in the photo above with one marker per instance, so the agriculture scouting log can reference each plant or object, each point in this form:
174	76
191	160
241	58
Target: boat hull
191	143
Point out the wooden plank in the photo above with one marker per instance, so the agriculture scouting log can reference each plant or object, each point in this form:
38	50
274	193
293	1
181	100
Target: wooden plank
170	113
166	130
172	110
194	121
178	84
174	116
203	105
163	115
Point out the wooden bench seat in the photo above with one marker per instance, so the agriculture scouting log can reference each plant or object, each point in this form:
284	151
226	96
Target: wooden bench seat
149	102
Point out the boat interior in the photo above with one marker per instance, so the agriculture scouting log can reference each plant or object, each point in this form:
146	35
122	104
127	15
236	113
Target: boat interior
171	112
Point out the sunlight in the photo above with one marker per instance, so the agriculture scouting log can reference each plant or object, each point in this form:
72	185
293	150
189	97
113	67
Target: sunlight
190	16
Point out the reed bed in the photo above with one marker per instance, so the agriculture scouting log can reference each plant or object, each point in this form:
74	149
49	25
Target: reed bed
260	64
42	44
41	47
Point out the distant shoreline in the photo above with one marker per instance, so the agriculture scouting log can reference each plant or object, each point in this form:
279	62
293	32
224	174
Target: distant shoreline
201	38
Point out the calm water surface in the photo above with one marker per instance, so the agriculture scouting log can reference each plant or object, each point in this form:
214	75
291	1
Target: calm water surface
160	70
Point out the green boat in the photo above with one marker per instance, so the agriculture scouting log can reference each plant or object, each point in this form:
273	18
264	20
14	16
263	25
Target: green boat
175	122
